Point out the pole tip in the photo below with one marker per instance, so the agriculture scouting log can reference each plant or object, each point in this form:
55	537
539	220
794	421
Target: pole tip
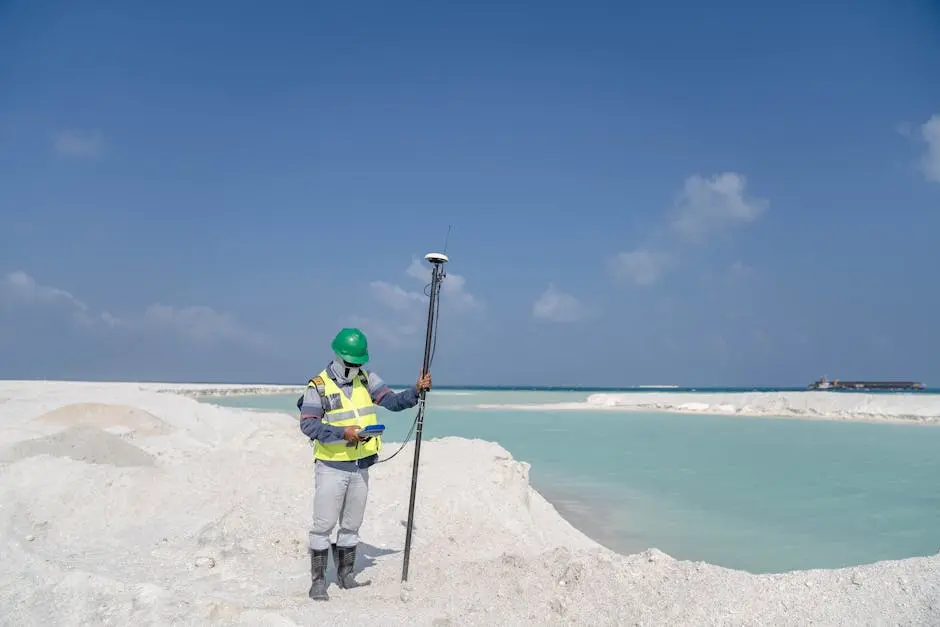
436	258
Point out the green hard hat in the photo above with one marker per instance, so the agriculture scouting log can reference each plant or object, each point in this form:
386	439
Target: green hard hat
351	345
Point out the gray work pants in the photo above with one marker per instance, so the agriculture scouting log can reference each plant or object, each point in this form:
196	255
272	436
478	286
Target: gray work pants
340	496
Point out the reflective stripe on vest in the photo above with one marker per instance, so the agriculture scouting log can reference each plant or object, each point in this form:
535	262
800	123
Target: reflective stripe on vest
342	411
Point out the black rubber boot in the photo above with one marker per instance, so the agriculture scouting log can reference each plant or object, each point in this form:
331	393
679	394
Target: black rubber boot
318	562
345	558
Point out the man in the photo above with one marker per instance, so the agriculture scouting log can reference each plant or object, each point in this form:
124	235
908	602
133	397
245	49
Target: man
335	406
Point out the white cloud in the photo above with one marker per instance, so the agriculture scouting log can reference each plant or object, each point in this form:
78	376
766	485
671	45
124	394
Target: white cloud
394	296
407	308
640	267
198	323
706	206
453	288
556	306
418	270
930	162
454	293
395	334
77	143
18	288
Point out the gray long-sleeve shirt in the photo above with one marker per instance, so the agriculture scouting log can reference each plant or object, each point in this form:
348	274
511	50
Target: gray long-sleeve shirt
311	413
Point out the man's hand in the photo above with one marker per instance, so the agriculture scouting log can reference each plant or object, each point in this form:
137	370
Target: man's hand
350	433
424	382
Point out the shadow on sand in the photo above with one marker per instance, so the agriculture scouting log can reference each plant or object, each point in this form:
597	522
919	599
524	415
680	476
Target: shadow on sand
365	558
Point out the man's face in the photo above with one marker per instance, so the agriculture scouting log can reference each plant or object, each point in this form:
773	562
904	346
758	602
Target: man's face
347	370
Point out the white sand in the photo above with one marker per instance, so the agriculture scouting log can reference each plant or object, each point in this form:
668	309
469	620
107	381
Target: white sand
910	408
129	506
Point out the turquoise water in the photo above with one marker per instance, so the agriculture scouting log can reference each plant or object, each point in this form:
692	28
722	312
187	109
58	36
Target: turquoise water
760	494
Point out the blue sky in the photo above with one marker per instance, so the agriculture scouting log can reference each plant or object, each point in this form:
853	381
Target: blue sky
695	193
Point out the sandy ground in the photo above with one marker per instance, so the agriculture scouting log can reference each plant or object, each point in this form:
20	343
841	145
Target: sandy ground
123	505
903	408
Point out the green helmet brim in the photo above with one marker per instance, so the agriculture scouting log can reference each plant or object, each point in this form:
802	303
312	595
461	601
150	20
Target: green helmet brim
357	360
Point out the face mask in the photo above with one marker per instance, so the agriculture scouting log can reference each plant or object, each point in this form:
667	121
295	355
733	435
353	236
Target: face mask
344	372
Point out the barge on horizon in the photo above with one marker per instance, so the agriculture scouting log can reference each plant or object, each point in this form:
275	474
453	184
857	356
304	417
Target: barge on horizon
836	384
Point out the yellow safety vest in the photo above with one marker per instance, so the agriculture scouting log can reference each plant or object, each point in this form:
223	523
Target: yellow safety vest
340	410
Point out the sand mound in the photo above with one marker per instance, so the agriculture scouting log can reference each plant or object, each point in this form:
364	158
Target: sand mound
912	407
106	416
81	443
217	532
